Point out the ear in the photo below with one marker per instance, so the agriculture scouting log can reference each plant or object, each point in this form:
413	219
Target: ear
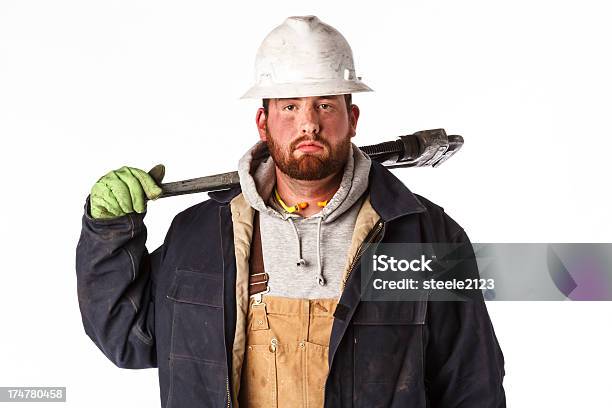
262	123
353	118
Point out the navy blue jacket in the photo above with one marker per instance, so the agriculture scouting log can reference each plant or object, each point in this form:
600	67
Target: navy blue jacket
175	309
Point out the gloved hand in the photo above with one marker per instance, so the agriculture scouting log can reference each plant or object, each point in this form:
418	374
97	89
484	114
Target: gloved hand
124	191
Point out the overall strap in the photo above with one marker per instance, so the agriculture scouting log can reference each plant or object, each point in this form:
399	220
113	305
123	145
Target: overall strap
258	278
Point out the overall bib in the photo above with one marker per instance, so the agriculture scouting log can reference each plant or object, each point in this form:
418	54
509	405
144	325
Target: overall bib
286	356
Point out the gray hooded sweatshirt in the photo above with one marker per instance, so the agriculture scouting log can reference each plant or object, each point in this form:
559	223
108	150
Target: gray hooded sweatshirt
305	257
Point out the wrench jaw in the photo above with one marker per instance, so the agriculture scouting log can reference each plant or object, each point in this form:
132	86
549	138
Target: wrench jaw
454	144
427	148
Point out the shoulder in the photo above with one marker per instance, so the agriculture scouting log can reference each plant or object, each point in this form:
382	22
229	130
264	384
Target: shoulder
201	220
444	226
393	200
201	209
207	210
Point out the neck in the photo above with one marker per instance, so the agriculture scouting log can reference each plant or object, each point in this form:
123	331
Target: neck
294	191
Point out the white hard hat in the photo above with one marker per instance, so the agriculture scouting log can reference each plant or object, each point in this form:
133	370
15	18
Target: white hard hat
304	57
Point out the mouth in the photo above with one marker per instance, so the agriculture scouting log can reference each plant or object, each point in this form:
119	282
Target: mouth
309	147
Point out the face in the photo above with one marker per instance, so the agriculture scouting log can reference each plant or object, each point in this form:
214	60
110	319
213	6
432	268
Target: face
309	138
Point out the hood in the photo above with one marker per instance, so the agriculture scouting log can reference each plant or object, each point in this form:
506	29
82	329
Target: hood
258	178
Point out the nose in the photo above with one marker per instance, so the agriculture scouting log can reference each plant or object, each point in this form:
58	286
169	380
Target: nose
309	122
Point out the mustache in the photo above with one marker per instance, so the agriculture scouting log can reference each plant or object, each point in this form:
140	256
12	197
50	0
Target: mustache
301	139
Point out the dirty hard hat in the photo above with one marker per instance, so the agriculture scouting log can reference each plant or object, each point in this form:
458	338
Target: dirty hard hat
304	57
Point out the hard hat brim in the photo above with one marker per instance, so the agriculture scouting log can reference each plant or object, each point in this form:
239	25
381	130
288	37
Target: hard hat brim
298	90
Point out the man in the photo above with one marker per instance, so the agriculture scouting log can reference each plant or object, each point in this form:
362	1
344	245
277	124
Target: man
254	297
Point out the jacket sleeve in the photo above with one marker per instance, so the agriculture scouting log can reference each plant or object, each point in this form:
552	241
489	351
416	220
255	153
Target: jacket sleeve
464	363
115	282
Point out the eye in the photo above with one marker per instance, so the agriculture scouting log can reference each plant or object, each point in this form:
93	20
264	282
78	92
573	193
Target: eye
289	108
327	107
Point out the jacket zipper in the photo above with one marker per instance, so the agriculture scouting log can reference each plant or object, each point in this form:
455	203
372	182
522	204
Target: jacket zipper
372	236
228	391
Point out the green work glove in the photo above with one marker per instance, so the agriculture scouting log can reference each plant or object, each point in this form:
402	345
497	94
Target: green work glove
124	191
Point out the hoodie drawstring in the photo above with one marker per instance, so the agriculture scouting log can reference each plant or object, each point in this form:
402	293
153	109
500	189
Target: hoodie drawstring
300	260
320	277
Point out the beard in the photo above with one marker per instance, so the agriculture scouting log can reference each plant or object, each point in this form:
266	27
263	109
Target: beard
309	166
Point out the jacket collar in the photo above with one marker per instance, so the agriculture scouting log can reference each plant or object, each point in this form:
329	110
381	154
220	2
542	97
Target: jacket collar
389	197
225	196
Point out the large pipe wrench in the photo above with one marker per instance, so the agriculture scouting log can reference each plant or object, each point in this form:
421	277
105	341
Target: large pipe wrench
420	149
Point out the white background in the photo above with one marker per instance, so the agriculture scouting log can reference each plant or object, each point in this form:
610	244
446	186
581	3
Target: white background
86	87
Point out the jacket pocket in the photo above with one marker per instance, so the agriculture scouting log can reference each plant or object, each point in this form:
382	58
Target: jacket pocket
388	353
198	364
197	317
196	287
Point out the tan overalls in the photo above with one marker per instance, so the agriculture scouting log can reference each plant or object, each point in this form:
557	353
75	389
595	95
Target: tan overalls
280	353
286	353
